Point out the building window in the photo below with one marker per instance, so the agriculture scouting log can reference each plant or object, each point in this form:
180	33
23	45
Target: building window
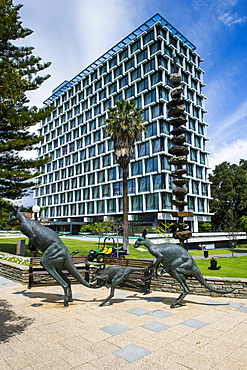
111	205
101	206
165	165
166	201
157	110
136	168
155	47
86	194
135	46
142	85
136	74
164	127
149	66
157	145
152	201
96	164
144	184
142	56
143	149
124	54
117	188
201	204
151	165
81	208
158	182
197	141
193	155
123	82
129	92
132	186
112	174
191	203
95	192
90	208
118	71
195	187
101	176
151	130
150	97
113	62
148	37
199	172
137	203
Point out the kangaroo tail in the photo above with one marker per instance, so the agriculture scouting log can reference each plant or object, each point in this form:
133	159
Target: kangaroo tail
201	279
71	268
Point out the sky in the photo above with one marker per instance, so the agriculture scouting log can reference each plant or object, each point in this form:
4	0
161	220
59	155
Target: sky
73	33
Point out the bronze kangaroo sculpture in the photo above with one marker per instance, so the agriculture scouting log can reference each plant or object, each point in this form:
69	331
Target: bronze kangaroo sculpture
178	263
56	256
114	274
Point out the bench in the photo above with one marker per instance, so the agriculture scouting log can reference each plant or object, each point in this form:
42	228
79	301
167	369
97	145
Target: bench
144	276
35	268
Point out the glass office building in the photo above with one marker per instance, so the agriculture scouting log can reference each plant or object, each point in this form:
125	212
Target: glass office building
83	182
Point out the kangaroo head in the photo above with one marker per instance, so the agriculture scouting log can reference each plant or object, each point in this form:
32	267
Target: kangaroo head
141	239
14	214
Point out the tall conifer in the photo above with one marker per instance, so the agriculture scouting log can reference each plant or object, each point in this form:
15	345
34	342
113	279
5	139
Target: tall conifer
19	70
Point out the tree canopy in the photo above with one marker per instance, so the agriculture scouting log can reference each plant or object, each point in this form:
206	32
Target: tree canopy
229	193
19	70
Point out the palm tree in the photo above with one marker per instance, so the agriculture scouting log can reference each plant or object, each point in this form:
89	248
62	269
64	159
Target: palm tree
125	125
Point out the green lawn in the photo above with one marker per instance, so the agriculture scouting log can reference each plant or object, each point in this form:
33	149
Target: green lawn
231	267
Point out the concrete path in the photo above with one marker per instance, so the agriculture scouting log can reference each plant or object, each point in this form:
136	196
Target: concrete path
135	332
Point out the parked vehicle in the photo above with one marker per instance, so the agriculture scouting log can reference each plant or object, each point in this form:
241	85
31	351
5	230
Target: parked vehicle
109	251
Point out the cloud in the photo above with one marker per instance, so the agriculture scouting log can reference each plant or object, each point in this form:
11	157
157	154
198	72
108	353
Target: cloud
230	19
228	153
224	127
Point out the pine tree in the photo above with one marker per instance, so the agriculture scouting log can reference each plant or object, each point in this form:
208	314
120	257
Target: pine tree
18	75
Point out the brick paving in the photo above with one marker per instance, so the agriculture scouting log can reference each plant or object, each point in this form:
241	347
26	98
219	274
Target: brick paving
135	332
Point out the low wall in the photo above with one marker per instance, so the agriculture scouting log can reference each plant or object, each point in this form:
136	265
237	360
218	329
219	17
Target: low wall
14	271
164	283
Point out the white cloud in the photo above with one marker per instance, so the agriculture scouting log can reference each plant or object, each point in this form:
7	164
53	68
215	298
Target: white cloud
225	131
228	153
230	19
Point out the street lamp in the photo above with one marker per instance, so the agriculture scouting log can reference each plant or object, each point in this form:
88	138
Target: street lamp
35	210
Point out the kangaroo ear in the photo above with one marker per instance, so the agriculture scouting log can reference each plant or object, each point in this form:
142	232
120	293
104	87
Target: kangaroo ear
14	208
21	208
144	233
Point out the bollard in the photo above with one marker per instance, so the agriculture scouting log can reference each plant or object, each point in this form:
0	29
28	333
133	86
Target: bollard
20	247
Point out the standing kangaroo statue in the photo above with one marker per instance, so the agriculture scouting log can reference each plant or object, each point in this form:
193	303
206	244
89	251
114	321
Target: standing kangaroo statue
115	274
178	263
56	256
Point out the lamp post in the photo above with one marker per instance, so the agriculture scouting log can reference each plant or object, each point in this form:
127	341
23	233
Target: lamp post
35	210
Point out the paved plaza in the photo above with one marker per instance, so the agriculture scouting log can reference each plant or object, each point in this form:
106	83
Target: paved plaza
135	332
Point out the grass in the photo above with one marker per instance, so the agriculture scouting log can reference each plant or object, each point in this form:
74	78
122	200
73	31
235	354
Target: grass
231	267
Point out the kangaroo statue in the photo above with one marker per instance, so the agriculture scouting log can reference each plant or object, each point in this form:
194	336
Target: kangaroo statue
178	263
114	274
56	256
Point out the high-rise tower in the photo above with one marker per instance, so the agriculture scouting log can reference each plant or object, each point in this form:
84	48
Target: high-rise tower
83	182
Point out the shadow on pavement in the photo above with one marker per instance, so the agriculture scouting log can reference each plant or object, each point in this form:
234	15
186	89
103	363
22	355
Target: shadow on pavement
10	323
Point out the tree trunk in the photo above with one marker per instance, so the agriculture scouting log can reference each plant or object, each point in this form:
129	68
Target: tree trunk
125	211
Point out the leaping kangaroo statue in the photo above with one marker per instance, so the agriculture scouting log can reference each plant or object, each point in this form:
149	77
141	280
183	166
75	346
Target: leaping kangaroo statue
178	263
56	256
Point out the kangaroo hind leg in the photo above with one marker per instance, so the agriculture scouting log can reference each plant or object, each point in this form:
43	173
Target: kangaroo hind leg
181	279
63	276
53	272
114	283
